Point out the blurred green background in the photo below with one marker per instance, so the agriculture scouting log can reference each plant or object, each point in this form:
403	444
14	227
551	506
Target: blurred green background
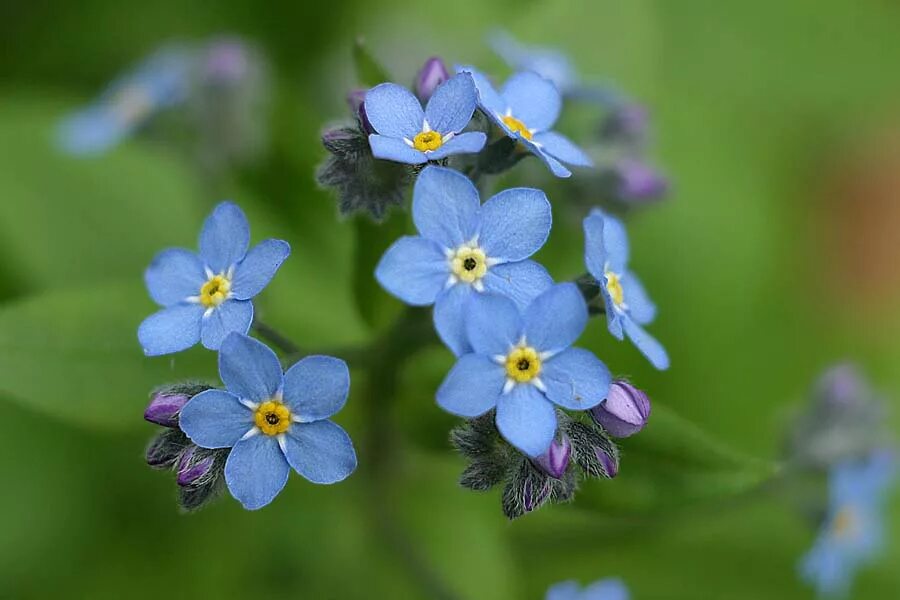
775	256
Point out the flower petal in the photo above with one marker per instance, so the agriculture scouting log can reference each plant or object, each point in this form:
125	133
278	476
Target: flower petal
526	419
488	98
413	269
232	316
174	275
249	369
316	387
640	307
451	107
606	589
171	330
395	149
521	281
613	238
515	224
561	148
258	267
566	590
534	100
256	470
450	317
225	237
472	387
556	167
215	419
555	319
493	324
576	379
647	344
445	206
394	111
594	250
464	143
322	452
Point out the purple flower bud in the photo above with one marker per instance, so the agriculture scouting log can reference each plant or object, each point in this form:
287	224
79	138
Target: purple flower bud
164	408
638	181
191	470
356	99
531	498
842	387
610	463
165	448
628	122
555	460
227	61
433	73
625	410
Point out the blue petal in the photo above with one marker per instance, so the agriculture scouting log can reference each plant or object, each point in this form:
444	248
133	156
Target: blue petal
493	324
445	206
515	224
555	319
534	100
566	590
450	317
171	330
451	107
322	452
556	167
595	257
215	419
613	317
607	589
521	281
232	316
472	387
640	307
224	238
91	131
256	470
488	98
316	387
463	143
576	379
413	269
615	242
394	111
258	267
647	344
526	419
249	369
174	275
395	149
561	148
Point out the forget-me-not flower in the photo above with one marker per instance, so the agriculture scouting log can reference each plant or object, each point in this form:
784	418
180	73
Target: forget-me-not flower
526	108
522	364
207	296
605	589
464	247
272	421
405	133
854	531
627	305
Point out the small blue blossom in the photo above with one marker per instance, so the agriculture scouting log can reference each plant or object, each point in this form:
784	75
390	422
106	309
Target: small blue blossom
207	296
525	109
404	133
464	247
605	589
627	305
853	533
272	421
522	364
547	62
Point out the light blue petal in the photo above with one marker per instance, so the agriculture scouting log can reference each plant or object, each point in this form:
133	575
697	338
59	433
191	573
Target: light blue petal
232	316
534	100
450	317
225	237
215	419
445	206
562	149
394	111
258	267
515	224
594	251
555	319
463	143
566	590
521	281
256	471
472	387
395	149
451	107
174	275
526	419
493	324
647	344
556	167
322	452
413	269
171	330
640	307
316	387
615	242
91	131
613	317
576	379
249	369
488	99
606	589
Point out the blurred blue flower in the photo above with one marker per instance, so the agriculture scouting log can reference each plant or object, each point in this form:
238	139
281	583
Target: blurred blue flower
627	305
523	364
464	247
853	532
605	589
546	62
207	296
525	109
407	134
273	421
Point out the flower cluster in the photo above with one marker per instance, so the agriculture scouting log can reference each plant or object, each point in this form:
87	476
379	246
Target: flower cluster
604	589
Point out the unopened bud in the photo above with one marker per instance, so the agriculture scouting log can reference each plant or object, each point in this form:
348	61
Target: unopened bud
164	408
638	181
555	460
356	99
433	73
625	410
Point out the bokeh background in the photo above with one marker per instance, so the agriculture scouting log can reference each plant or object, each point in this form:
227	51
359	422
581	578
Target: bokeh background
776	255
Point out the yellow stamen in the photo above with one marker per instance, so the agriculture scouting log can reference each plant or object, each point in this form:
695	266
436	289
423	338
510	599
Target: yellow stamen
215	291
428	141
272	417
523	364
517	126
844	524
468	264
614	287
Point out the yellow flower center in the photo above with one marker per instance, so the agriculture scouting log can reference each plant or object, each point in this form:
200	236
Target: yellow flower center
614	287
523	364
215	291
517	126
272	417
468	264
845	523
428	141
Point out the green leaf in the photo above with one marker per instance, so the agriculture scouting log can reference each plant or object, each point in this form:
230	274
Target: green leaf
369	72
376	306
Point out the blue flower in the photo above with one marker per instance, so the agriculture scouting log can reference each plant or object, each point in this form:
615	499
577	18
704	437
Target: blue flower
465	248
272	421
206	297
853	532
627	305
526	108
522	365
407	134
605	589
546	62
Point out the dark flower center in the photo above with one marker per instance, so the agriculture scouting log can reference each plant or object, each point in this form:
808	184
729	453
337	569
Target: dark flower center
469	264
523	364
272	418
